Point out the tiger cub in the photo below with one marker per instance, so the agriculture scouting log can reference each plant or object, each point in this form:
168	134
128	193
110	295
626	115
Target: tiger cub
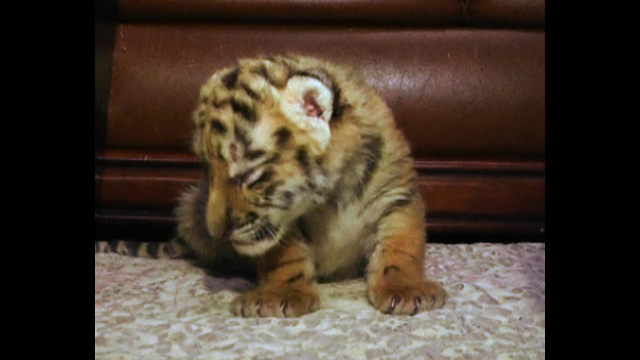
308	178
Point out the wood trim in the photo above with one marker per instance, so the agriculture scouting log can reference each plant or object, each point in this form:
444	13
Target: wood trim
143	188
469	196
160	226
467	226
451	187
145	158
480	166
135	217
473	195
445	195
452	165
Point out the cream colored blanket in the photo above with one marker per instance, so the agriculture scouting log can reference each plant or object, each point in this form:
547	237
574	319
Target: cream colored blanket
169	309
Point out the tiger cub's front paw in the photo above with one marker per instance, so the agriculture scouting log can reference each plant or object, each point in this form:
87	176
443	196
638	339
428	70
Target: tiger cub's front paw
276	301
402	296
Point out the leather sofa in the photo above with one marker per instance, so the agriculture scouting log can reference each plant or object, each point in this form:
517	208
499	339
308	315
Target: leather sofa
465	80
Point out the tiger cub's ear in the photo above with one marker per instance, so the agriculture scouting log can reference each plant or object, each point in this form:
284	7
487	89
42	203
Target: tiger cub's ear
311	96
309	104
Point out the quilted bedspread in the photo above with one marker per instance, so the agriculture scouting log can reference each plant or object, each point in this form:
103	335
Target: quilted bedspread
170	309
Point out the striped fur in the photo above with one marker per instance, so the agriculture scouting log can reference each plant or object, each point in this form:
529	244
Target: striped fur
307	178
169	250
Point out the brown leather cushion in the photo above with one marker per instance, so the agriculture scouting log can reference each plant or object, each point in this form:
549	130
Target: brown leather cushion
454	92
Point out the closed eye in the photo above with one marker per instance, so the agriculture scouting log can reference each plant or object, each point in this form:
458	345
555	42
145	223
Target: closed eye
241	179
266	176
252	178
254	154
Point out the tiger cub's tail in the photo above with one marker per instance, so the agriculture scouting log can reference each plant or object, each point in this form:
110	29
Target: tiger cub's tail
174	249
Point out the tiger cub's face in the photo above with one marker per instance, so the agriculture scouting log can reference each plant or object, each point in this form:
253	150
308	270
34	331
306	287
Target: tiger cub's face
263	130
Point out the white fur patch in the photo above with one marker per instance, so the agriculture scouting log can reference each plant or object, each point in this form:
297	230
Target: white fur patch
309	104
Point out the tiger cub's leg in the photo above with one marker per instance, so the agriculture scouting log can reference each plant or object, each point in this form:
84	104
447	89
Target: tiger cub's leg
395	275
287	286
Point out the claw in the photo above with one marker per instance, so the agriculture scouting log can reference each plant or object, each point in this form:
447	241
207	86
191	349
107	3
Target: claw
283	307
394	300
416	302
259	308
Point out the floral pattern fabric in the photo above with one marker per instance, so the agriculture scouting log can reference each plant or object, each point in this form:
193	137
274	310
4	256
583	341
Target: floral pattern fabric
170	309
